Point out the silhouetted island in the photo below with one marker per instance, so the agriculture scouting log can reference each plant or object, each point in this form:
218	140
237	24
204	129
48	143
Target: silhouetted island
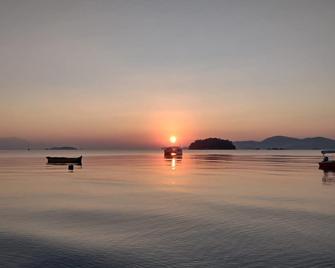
212	144
61	148
287	143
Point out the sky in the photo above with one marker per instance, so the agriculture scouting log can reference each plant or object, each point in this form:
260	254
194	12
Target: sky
130	73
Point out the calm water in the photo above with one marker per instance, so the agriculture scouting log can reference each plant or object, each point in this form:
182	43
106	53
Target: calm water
136	209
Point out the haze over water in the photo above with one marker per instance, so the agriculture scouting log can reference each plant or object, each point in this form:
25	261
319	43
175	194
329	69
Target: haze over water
137	209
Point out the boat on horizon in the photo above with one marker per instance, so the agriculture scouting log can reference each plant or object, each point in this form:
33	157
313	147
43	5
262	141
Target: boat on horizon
173	151
327	163
65	160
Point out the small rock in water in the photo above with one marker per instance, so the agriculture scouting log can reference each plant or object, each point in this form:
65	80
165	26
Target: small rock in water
70	167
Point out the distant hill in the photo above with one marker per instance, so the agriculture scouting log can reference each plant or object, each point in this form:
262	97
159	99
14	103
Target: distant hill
212	144
11	143
283	142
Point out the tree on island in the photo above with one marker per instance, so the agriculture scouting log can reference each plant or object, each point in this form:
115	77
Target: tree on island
212	144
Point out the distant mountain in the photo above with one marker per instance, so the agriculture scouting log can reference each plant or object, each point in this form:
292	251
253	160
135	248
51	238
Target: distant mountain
283	142
11	143
212	144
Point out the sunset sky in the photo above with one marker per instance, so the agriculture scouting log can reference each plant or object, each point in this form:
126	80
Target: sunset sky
133	72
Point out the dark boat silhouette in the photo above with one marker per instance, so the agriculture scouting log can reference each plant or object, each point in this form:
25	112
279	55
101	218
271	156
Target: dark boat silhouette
64	160
173	151
327	164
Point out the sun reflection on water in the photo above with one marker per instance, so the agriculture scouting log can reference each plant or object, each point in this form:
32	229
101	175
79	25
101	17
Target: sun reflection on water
173	163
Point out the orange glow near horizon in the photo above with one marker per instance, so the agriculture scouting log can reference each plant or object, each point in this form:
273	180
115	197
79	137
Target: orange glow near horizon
163	124
128	82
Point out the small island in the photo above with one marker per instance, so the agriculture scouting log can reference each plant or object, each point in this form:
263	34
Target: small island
62	148
212	144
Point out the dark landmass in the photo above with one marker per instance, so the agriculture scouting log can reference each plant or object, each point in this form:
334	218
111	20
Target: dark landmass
287	143
212	144
12	143
62	148
271	143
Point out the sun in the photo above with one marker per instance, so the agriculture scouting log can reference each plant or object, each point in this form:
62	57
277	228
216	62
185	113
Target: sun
173	139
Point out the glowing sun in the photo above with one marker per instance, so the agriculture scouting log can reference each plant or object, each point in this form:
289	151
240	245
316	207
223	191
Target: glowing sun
173	139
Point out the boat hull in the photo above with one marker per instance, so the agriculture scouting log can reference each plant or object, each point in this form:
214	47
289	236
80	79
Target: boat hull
171	152
64	160
327	165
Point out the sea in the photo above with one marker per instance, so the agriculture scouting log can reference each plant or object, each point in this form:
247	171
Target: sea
137	209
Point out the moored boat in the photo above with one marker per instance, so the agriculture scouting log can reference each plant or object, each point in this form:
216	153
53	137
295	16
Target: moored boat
327	164
173	151
65	160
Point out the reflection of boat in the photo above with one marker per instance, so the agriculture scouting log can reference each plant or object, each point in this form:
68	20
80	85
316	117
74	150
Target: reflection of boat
64	160
327	163
173	161
328	177
173	151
